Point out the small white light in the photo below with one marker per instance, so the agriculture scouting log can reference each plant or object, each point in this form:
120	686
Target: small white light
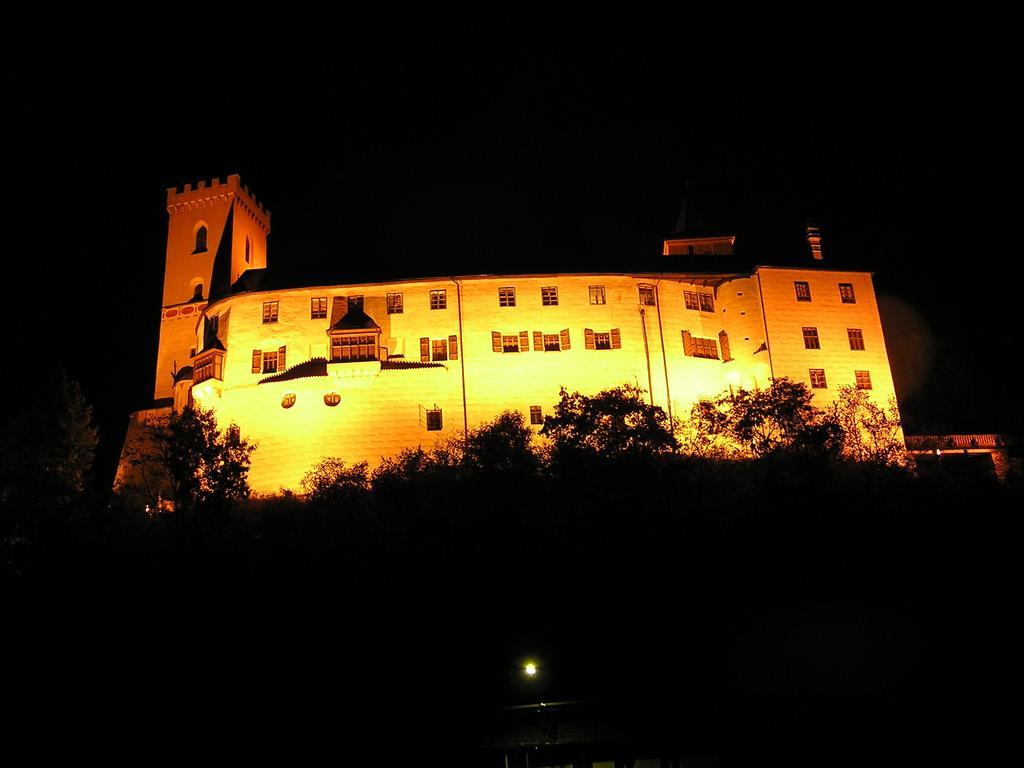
530	669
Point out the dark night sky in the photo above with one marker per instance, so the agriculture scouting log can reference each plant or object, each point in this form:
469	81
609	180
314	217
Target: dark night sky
501	156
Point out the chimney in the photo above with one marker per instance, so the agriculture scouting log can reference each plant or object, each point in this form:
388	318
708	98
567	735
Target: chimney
814	239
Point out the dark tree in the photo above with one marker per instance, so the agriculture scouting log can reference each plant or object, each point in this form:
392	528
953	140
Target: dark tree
615	423
48	448
188	465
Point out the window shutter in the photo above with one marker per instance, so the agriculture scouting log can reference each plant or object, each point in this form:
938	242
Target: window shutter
280	359
496	341
565	338
723	342
588	338
687	344
616	338
257	361
524	341
453	347
538	341
222	327
424	349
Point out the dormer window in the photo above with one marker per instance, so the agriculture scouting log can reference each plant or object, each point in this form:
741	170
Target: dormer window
200	240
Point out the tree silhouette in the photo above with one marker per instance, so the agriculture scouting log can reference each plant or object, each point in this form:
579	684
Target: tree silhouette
185	464
49	447
615	423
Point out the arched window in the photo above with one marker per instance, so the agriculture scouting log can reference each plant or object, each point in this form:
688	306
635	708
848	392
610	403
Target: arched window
197	295
200	240
247	250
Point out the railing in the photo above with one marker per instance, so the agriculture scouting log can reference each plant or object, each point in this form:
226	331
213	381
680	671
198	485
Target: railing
956	442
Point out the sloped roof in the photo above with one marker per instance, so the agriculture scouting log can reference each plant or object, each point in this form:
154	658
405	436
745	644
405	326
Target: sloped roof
355	320
307	370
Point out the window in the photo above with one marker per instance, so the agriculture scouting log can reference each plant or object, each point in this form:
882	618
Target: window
200	240
506	297
355	302
353	348
551	342
863	379
707	302
549	296
803	290
288	400
856	338
811	340
509	343
846	293
646	295
395	306
610	340
690	297
434	421
247	249
453	347
331	399
694	346
597	294
269	311
536	415
818	378
440	349
318	308
439	300
270	362
197	294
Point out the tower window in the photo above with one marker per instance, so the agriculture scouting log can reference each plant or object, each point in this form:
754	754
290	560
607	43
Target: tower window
803	290
270	311
549	296
200	240
811	340
506	297
395	306
846	293
707	302
863	379
690	298
597	294
438	300
818	378
536	415
247	247
197	295
856	338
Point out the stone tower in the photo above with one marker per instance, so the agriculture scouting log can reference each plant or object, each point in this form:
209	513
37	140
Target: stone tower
215	232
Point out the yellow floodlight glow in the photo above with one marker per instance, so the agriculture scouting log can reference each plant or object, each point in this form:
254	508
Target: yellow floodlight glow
530	669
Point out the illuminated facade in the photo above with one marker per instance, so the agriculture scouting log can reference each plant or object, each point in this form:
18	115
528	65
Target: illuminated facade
361	371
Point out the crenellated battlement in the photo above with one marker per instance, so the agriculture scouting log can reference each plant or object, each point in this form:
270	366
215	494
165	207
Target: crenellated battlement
216	192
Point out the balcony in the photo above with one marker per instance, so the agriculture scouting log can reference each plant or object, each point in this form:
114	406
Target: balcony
208	365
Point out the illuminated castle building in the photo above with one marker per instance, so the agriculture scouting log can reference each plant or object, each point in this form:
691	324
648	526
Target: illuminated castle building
362	371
